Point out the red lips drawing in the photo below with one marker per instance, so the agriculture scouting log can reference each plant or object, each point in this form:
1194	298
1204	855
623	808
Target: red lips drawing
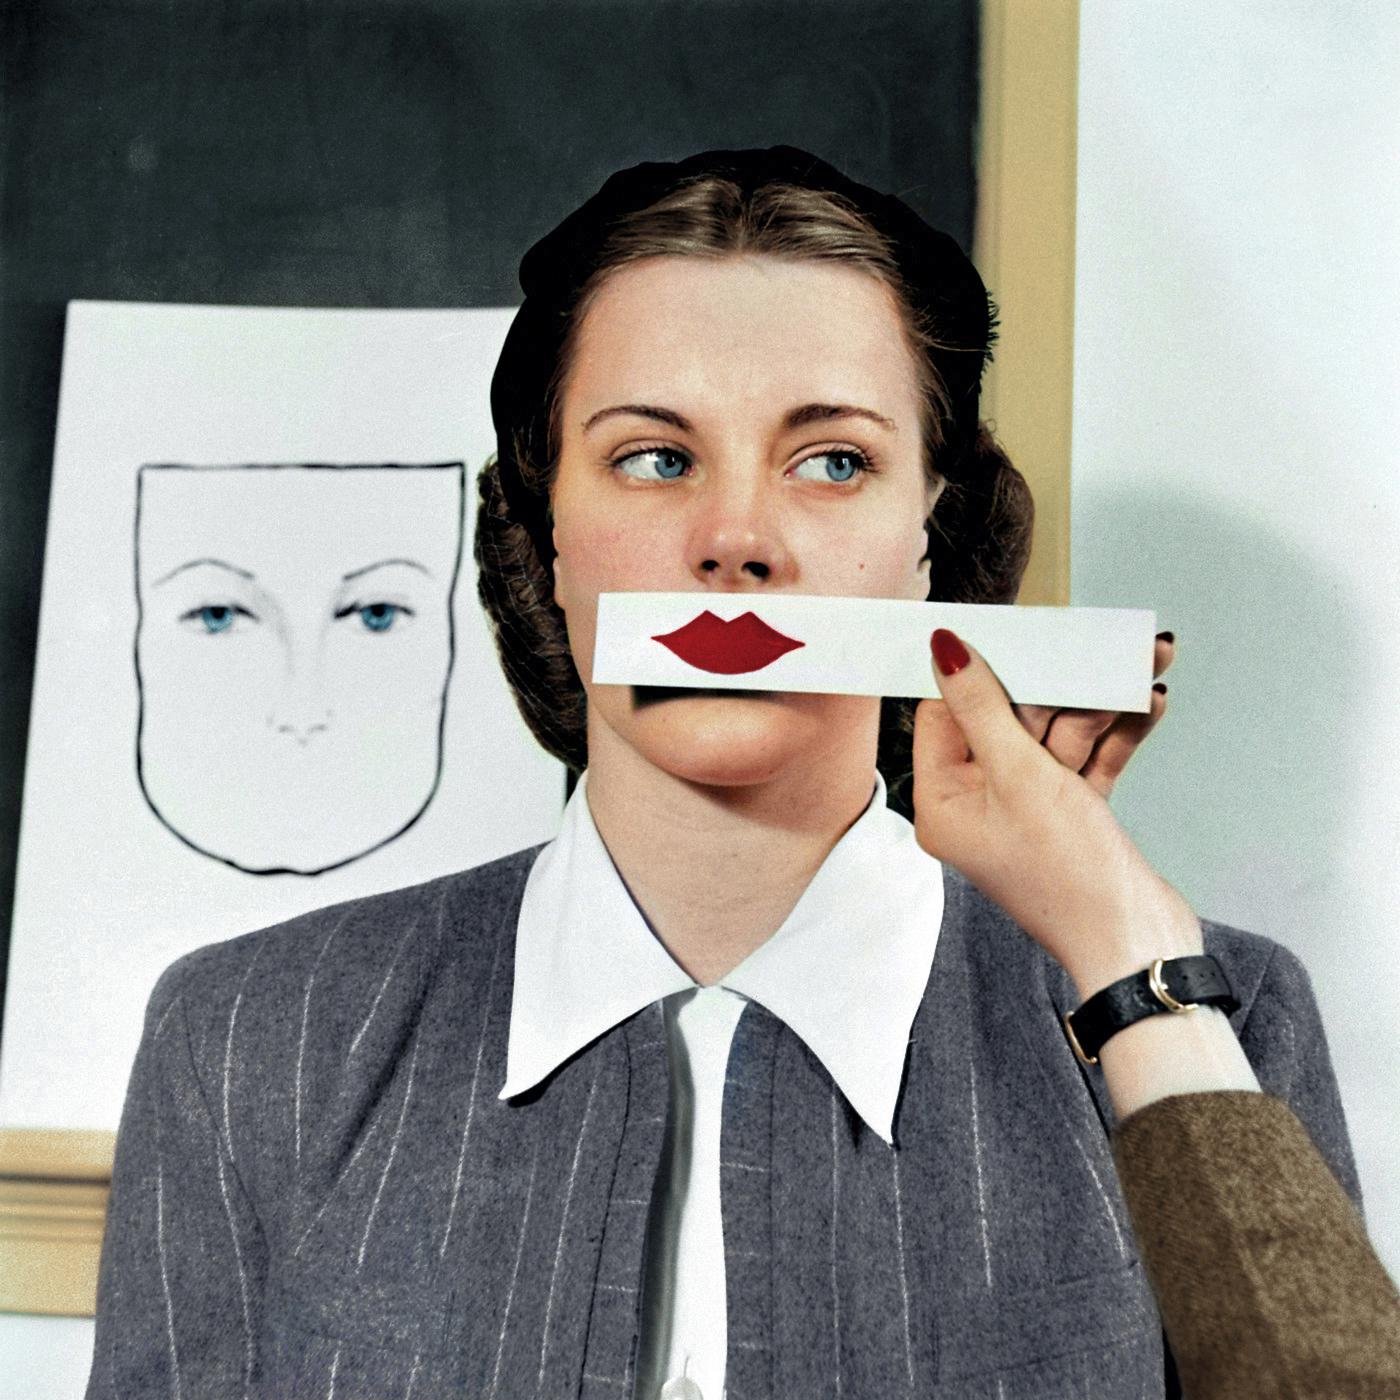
727	648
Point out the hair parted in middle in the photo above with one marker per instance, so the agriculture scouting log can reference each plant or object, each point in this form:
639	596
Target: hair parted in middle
779	203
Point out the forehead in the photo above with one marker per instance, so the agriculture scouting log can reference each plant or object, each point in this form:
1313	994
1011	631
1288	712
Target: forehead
757	331
258	517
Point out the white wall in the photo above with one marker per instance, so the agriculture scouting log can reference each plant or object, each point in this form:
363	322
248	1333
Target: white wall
1236	464
44	1358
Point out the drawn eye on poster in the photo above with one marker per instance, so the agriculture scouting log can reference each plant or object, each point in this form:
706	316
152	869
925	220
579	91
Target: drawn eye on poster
263	682
294	644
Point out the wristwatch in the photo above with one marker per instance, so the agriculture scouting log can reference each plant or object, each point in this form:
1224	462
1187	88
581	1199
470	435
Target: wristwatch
1170	985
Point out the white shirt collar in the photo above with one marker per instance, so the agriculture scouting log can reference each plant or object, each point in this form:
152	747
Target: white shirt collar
845	972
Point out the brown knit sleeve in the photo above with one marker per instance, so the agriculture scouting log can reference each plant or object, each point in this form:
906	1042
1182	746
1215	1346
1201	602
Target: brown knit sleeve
1266	1282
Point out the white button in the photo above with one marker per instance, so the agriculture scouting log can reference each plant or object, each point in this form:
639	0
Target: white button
681	1388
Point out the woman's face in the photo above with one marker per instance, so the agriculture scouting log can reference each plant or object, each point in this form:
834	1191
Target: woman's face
751	425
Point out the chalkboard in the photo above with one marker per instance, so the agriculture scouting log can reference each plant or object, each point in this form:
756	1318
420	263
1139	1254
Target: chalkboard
391	153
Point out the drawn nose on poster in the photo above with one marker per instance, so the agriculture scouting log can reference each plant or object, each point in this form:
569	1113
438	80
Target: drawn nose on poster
293	648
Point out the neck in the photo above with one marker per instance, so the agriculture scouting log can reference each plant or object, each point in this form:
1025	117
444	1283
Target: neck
717	869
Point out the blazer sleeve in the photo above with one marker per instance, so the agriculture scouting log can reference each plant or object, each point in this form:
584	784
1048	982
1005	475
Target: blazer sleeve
183	1259
1267	1285
1281	1031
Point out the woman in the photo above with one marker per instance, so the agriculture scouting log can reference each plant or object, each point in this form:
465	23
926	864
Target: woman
686	1104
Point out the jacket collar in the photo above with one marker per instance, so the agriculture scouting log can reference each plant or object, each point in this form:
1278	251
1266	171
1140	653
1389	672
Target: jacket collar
846	972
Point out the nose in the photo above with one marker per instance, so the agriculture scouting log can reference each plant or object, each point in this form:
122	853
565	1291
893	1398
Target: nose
737	540
300	712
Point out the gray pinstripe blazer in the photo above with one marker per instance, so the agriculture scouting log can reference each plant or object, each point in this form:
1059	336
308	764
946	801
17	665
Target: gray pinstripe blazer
318	1194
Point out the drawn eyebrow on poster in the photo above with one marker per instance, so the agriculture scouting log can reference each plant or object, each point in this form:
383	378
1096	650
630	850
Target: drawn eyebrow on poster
293	650
385	564
198	563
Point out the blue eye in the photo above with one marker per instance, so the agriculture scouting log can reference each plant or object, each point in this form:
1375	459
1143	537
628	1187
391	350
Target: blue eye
653	464
213	618
379	617
376	616
838	466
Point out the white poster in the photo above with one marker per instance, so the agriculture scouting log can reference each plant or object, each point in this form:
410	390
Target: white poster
264	682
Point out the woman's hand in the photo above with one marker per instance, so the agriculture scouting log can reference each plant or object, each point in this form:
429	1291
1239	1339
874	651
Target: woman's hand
1099	743
1016	800
1029	824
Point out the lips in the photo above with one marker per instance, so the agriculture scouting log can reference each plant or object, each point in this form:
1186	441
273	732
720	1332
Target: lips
727	648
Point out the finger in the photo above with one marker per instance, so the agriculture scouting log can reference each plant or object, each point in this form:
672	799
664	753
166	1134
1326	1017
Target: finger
1121	742
1073	734
980	707
1073	743
1035	720
1163	653
938	742
941	757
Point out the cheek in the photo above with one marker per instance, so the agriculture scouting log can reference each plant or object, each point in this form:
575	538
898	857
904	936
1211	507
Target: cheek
211	681
880	562
593	557
389	678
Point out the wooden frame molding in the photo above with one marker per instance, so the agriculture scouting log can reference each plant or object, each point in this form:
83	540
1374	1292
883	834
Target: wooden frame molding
54	1184
53	1205
1024	248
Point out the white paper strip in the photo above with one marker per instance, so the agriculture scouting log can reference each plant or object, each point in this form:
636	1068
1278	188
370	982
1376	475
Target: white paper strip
1089	658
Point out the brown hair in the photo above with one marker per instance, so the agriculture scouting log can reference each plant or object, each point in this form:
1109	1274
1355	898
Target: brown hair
980	531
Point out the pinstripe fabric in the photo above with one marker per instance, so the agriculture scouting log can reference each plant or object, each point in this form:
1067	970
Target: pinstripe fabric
316	1192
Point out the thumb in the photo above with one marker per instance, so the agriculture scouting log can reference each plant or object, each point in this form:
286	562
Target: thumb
976	701
940	753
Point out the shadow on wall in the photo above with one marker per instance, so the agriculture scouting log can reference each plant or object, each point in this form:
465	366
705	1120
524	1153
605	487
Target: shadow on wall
1244	796
1256	797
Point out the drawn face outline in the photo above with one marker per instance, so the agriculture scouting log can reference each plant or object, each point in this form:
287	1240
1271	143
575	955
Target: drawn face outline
720	492
294	647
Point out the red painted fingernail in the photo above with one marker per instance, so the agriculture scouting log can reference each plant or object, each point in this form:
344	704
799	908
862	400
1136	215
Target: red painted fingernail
1166	636
949	654
1160	688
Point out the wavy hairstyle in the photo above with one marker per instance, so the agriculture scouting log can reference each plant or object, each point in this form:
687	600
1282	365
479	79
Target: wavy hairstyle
779	203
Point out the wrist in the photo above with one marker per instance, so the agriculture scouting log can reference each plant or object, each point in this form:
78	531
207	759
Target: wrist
1170	986
1092	977
1132	945
1166	1055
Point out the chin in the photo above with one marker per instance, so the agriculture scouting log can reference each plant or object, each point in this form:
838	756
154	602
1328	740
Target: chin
725	738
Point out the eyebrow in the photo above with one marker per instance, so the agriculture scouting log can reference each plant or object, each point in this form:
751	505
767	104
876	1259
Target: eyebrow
198	563
795	418
384	564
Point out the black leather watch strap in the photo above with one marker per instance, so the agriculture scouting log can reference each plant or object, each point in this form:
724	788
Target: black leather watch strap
1169	985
